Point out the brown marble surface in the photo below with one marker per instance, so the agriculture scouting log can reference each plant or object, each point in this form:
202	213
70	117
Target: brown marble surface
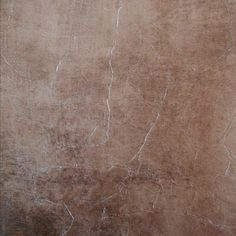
118	118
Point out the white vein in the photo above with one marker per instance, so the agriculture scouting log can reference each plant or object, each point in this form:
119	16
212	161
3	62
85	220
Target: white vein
68	210
72	220
111	51
10	65
124	233
228	150
104	213
48	201
105	199
146	137
58	65
228	127
108	119
137	154
108	198
228	168
226	2
156	198
92	133
6	61
222	226
76	42
230	156
118	17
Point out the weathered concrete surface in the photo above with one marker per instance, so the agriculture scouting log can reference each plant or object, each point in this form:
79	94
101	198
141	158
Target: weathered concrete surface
118	118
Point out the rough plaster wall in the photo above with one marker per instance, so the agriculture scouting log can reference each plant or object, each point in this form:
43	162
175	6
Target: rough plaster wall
118	118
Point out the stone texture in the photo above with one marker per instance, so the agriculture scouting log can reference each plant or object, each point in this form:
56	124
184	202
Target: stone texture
118	118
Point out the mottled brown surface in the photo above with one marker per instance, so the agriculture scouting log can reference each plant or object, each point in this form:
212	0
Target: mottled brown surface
118	118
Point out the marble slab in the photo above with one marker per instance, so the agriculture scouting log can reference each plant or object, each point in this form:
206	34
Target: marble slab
118	118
